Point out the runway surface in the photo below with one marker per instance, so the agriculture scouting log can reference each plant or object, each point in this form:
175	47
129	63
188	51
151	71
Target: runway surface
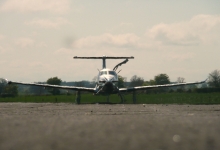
62	126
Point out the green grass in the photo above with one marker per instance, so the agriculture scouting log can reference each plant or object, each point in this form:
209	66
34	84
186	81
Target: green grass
163	98
180	98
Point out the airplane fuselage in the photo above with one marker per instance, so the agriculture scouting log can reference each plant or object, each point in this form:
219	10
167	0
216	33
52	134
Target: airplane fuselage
106	82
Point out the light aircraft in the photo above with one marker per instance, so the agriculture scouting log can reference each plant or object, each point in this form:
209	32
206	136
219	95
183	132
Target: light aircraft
106	82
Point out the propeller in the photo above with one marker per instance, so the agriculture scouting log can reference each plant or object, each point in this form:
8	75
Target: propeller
107	81
119	71
124	62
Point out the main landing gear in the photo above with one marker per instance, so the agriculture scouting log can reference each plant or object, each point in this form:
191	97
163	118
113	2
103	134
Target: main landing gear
78	97
134	97
107	99
122	98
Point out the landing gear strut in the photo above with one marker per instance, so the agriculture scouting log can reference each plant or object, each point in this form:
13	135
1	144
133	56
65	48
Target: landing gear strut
122	98
107	99
134	97
78	97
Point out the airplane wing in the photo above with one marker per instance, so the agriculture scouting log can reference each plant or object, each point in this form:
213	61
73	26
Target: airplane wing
56	86
157	86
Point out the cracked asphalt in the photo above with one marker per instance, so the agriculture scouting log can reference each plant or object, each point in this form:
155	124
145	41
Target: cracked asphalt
65	126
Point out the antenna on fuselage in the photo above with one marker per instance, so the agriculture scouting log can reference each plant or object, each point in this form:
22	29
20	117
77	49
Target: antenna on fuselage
103	59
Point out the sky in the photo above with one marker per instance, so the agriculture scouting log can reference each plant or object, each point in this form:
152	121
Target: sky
38	39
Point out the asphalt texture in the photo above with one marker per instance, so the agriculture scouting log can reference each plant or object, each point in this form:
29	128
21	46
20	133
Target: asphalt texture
63	126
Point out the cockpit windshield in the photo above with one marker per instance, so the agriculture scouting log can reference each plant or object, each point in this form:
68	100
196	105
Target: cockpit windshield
108	72
112	73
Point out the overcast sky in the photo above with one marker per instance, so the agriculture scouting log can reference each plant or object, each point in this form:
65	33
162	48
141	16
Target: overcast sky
39	38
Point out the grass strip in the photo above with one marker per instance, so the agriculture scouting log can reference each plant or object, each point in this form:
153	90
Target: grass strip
162	98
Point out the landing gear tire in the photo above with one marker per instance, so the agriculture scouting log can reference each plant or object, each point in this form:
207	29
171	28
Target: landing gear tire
134	97
78	97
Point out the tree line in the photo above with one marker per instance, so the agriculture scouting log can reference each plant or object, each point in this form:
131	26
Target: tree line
160	79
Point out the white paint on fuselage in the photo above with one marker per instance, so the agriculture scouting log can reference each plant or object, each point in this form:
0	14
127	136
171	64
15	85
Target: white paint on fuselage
107	75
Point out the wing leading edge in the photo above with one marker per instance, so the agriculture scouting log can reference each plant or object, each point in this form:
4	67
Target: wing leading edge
130	89
157	86
56	86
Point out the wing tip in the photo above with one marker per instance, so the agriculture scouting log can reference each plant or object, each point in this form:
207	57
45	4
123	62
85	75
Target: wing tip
4	81
204	81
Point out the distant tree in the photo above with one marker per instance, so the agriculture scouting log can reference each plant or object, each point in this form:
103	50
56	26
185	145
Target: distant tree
180	80
121	81
150	82
214	78
36	90
161	79
80	84
136	81
3	83
204	85
11	90
94	80
180	88
54	81
1	87
192	87
7	90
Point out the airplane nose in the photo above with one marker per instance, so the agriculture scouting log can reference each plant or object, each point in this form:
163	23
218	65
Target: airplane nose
106	79
109	79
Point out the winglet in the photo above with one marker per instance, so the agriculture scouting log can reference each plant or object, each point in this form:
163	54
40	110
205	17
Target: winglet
204	80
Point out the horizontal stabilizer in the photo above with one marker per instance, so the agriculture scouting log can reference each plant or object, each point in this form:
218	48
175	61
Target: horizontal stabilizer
103	57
